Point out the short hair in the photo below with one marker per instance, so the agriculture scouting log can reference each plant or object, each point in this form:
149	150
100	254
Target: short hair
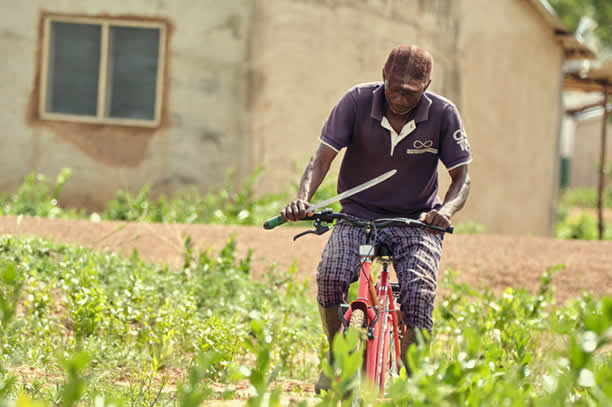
408	62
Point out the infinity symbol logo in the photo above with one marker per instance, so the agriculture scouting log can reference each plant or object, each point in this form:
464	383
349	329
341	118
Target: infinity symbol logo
420	144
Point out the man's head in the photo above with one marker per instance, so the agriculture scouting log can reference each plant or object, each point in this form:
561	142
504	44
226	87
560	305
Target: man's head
407	74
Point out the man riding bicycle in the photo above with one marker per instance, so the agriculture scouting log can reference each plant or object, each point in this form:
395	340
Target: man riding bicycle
394	124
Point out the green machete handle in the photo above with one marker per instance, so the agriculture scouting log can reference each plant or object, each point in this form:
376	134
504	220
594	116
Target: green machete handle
274	222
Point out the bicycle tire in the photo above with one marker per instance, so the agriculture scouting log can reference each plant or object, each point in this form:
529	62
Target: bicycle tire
357	321
381	352
392	359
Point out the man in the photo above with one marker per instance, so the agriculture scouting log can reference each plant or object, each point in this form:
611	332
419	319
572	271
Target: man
394	124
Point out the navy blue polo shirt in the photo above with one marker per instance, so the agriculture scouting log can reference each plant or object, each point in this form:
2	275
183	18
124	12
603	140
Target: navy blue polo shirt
433	131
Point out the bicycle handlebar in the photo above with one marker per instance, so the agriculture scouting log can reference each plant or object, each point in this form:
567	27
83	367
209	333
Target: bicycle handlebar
329	216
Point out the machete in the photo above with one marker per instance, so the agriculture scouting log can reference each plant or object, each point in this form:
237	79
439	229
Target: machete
279	220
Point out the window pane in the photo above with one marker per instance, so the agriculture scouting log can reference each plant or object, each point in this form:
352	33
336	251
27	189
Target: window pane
74	66
132	72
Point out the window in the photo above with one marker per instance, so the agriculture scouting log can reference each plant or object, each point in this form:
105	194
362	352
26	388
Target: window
102	71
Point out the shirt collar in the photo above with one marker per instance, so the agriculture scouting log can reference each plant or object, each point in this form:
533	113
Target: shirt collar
421	112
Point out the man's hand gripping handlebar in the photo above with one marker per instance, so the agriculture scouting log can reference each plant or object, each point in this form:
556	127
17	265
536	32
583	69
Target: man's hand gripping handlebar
324	219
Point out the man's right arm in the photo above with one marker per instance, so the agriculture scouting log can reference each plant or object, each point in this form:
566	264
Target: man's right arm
311	179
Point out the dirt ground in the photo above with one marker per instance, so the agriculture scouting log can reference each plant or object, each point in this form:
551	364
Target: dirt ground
488	260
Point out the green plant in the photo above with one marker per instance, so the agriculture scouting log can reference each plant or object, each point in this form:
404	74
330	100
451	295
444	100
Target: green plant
470	228
141	323
230	204
581	225
35	198
585	197
101	329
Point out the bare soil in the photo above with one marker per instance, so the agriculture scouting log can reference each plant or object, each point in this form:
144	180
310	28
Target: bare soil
486	260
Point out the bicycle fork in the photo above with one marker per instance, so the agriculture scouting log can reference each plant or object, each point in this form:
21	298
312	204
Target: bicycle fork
366	297
386	338
381	311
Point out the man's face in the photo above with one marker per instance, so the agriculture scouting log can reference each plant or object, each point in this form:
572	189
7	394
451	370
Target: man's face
403	96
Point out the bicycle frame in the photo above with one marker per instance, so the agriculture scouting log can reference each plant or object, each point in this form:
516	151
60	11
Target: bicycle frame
378	305
382	321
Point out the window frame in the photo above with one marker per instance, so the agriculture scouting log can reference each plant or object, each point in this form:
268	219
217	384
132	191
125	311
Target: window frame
105	24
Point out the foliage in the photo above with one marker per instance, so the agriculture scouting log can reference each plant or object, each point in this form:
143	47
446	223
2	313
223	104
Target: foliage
34	198
156	325
580	225
228	205
512	349
570	12
106	320
585	197
470	228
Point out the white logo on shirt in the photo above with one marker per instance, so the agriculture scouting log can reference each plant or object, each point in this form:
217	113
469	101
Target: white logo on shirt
461	139
421	147
420	144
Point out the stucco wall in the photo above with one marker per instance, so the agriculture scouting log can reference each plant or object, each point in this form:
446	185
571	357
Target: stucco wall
585	158
511	105
497	60
204	121
251	82
308	53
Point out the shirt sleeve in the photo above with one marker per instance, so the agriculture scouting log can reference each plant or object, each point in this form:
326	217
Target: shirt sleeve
338	129
454	145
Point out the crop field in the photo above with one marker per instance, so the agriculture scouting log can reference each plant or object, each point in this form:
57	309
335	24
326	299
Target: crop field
143	314
87	327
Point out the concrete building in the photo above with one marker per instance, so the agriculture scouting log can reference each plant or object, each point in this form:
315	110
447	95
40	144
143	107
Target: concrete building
174	92
584	147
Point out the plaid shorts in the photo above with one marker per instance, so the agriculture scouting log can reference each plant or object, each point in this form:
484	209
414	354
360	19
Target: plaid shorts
416	255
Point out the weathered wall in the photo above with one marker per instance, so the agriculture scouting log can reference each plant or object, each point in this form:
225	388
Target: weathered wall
204	121
585	158
250	82
511	76
307	53
497	60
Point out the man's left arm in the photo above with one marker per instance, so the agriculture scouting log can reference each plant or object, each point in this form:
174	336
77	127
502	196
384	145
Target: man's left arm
454	200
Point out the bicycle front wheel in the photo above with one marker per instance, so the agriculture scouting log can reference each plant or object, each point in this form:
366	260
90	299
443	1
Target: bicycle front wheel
357	321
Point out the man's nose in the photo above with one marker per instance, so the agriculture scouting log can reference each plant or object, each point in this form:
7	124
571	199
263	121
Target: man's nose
398	98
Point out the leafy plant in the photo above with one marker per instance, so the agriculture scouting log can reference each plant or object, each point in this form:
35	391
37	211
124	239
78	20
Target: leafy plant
585	197
35	197
100	329
230	204
582	225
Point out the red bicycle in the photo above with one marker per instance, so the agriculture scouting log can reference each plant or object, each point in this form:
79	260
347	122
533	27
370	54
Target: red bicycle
375	310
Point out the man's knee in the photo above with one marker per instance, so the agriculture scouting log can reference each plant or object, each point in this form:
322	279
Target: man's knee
330	291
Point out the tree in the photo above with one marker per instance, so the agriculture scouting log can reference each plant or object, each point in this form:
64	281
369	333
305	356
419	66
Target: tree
570	12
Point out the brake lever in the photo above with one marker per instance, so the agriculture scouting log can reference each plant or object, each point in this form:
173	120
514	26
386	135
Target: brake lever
319	230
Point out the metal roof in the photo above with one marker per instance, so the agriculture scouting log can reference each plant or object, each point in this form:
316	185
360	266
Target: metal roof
593	80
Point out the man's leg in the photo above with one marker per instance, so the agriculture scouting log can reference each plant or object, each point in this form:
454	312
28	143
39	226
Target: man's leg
416	256
330	319
338	268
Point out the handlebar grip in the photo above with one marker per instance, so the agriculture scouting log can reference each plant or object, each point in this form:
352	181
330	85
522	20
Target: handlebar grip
274	222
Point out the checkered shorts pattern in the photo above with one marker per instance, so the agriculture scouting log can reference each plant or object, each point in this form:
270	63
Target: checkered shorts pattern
416	255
